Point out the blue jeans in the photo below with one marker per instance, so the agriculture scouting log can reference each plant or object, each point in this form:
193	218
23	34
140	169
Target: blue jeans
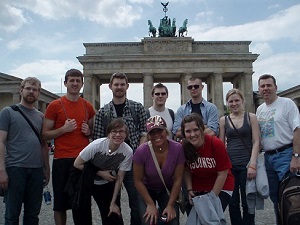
25	185
240	178
276	166
162	198
132	197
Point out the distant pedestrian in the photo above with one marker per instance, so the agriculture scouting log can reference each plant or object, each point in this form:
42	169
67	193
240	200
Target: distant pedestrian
24	158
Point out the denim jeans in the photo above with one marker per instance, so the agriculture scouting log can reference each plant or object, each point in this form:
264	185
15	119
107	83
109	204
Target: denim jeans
277	165
132	197
240	177
162	198
25	185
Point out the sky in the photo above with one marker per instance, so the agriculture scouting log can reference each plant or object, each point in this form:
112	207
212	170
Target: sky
43	38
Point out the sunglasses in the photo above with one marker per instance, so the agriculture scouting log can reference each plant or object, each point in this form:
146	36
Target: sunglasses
190	87
160	93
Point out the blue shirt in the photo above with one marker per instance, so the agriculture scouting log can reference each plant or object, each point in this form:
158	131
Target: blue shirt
209	112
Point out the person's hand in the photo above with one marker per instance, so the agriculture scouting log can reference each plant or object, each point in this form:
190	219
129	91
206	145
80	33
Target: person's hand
3	180
106	175
85	129
151	214
251	173
170	212
70	125
191	195
113	208
46	176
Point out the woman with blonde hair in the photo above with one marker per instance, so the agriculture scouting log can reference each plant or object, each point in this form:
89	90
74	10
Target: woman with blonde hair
240	131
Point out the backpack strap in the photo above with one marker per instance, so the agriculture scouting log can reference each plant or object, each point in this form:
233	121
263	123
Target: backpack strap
172	114
147	113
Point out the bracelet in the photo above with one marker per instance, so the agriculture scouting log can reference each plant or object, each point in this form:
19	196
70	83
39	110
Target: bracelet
251	167
189	190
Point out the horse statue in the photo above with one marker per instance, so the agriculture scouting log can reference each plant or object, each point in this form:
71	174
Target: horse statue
173	27
152	29
183	28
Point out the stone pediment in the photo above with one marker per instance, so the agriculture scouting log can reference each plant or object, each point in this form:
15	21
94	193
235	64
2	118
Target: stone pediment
5	77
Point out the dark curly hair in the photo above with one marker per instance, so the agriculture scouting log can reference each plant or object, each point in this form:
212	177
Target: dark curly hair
190	152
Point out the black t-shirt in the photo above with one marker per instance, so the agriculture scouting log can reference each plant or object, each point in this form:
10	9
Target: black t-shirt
196	108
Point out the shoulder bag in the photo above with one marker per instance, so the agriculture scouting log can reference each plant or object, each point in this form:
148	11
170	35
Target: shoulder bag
180	199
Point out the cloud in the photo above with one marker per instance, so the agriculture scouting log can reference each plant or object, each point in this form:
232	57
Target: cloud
280	25
50	72
11	18
284	67
108	13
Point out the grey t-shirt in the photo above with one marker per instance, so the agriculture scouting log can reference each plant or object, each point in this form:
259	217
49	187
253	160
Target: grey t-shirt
23	148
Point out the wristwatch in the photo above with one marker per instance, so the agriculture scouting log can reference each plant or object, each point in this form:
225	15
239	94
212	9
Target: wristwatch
296	154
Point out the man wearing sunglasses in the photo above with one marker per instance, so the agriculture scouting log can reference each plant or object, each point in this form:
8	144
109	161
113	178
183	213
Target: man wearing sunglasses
197	104
159	95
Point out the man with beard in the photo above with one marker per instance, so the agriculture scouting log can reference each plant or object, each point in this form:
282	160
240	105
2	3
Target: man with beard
134	116
24	159
69	121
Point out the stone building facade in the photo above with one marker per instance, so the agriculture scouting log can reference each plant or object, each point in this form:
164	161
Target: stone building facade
10	93
171	60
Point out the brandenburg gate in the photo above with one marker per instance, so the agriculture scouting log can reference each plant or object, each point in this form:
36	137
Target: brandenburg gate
171	60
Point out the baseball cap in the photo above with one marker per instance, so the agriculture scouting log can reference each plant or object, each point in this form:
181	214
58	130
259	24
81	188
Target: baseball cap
155	122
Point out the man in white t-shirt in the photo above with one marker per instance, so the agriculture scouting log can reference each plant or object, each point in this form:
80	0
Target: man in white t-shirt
279	123
159	95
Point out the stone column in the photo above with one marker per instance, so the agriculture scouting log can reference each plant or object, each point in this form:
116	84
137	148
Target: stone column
248	92
88	88
185	95
148	85
218	93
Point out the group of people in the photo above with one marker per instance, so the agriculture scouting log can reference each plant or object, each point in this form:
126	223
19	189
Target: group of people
155	153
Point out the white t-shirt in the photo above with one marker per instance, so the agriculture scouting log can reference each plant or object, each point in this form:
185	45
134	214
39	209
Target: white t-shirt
277	123
98	153
165	115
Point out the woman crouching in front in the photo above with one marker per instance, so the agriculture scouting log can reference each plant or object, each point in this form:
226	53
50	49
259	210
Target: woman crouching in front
208	177
170	159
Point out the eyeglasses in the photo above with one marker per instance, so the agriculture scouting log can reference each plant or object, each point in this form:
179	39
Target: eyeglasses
190	87
33	89
115	132
160	93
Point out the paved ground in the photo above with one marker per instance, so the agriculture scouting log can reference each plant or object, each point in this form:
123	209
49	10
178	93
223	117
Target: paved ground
263	217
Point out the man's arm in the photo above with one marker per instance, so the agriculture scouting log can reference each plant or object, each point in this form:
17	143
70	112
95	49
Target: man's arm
142	124
295	163
99	130
49	133
3	174
212	126
45	155
177	123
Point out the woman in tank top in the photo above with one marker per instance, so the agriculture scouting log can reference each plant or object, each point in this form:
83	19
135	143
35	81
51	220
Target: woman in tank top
240	132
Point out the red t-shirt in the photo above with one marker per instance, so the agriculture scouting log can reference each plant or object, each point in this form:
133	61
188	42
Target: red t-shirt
212	158
69	144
